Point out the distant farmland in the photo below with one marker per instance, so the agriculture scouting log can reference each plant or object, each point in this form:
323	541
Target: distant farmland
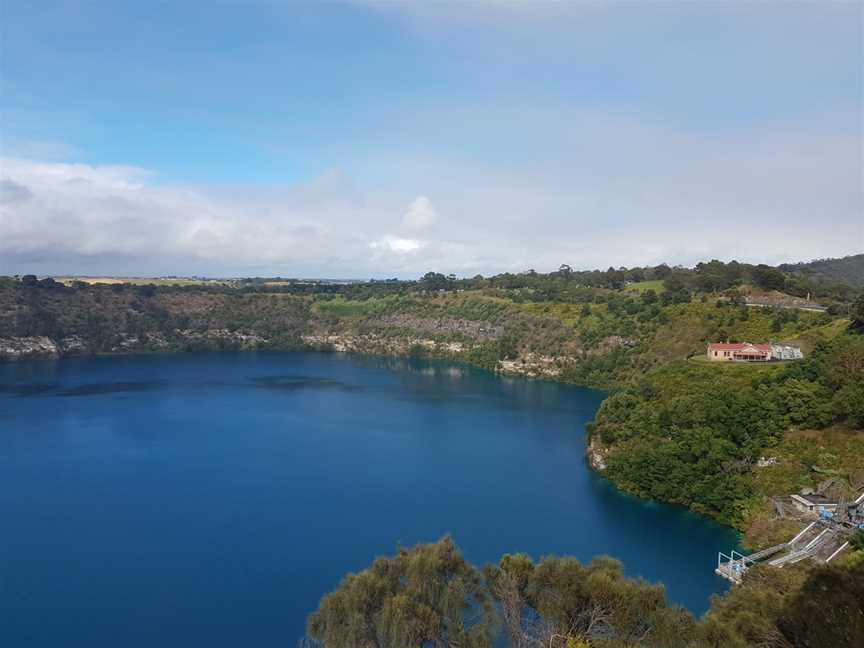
143	281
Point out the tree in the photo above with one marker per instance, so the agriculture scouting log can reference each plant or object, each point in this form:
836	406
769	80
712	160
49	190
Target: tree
735	297
768	278
732	273
508	345
434	281
828	610
676	289
560	602
747	615
712	276
662	271
428	596
848	403
856	314
803	402
424	596
615	278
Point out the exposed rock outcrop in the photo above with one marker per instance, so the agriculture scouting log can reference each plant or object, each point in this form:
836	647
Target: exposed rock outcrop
73	345
17	348
597	455
479	331
380	344
245	340
535	365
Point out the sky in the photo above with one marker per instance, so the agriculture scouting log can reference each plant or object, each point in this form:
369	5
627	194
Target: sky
373	138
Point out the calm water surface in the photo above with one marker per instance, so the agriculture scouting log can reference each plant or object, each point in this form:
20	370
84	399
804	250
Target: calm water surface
211	499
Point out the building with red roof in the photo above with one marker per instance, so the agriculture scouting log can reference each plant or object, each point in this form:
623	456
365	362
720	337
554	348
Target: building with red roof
739	352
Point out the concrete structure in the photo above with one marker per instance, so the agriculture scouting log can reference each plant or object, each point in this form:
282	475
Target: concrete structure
780	300
739	352
822	540
813	503
785	352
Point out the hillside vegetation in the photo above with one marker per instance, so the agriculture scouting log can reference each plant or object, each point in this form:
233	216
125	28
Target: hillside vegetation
429	595
719	438
595	336
693	434
676	428
848	270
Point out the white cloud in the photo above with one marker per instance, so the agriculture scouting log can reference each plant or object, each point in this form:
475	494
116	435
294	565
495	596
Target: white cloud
421	213
595	189
395	244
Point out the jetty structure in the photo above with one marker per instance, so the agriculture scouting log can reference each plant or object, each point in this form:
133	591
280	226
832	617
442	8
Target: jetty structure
822	540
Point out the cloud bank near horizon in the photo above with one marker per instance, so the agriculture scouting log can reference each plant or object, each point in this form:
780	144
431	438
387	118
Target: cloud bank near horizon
620	193
471	139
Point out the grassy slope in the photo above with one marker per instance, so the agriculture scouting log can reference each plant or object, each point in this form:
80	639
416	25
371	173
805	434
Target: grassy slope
561	328
804	459
683	330
643	286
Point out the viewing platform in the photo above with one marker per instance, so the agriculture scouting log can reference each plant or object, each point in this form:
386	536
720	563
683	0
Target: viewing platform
822	540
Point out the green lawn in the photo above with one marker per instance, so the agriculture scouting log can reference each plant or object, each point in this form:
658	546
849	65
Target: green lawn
569	314
703	359
341	307
642	286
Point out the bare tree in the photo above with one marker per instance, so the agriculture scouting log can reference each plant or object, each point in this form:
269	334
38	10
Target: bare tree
506	591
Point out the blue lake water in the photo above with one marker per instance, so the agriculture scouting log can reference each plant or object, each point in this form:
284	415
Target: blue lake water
212	499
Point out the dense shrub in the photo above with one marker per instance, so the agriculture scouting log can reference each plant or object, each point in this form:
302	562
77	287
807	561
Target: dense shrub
690	434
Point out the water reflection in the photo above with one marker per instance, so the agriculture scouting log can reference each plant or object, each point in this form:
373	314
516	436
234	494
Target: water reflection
299	383
89	389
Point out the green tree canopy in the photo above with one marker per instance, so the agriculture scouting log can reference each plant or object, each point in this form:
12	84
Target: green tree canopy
424	596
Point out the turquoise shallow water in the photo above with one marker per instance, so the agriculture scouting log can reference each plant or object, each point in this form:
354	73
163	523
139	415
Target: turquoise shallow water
212	499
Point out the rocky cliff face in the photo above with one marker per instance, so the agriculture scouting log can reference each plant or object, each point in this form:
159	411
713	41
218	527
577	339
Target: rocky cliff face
476	330
597	455
22	348
535	365
55	321
379	344
529	364
40	346
17	348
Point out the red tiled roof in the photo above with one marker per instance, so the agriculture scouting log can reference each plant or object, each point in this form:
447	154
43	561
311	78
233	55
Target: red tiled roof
737	346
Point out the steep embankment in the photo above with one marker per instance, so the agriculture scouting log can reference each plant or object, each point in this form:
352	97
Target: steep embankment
605	339
57	321
723	438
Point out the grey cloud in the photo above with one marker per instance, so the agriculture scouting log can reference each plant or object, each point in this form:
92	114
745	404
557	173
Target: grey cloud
12	192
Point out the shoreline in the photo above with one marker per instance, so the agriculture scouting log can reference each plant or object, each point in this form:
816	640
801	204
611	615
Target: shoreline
588	451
